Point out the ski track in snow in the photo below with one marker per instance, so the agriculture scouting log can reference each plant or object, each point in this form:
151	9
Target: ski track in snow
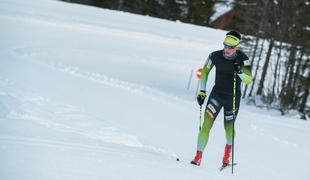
67	119
99	148
137	89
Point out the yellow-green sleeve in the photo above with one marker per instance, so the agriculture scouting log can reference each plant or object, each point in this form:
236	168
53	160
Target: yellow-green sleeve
204	74
246	75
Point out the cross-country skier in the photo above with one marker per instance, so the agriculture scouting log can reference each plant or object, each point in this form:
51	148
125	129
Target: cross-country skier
227	62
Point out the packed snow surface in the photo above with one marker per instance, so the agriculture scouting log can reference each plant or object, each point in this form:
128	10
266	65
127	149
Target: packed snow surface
89	93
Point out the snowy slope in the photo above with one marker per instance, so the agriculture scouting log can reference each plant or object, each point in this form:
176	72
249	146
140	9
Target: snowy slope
87	93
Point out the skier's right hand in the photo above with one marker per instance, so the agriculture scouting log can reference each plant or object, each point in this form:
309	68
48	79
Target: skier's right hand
201	97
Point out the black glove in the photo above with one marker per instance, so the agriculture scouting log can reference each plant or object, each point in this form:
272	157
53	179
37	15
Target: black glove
237	68
201	97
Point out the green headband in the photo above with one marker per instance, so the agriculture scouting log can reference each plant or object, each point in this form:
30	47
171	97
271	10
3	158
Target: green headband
232	40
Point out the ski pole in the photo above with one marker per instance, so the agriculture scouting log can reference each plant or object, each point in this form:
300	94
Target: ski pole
200	118
233	126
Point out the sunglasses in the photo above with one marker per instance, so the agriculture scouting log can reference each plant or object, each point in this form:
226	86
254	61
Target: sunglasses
228	47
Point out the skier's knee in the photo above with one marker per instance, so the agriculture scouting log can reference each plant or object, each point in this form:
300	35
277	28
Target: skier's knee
211	110
210	114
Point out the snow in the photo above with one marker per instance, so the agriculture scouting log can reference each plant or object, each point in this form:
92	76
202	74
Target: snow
88	93
222	7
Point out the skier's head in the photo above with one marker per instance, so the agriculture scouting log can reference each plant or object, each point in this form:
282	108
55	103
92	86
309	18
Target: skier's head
231	42
232	38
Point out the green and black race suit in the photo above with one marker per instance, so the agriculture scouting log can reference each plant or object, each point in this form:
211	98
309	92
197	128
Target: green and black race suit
224	78
222	92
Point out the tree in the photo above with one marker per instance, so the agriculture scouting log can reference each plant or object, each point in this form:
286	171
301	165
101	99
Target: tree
173	10
264	72
275	75
199	11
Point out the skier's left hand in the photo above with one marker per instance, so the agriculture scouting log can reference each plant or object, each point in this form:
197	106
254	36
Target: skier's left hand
237	68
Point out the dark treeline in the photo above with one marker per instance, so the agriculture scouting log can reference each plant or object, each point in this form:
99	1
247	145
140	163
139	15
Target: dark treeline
277	39
189	11
280	51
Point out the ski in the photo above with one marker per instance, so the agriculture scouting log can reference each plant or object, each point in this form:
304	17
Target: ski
185	161
225	166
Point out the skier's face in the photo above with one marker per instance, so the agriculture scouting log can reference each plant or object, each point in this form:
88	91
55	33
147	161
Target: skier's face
229	50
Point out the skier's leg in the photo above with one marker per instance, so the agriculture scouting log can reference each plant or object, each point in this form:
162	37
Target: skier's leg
228	125
203	138
214	105
229	121
203	135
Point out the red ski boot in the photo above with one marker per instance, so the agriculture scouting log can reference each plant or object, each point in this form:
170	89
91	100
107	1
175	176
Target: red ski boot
197	160
227	154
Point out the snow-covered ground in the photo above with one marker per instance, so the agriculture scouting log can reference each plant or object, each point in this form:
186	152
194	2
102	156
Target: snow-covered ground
87	93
